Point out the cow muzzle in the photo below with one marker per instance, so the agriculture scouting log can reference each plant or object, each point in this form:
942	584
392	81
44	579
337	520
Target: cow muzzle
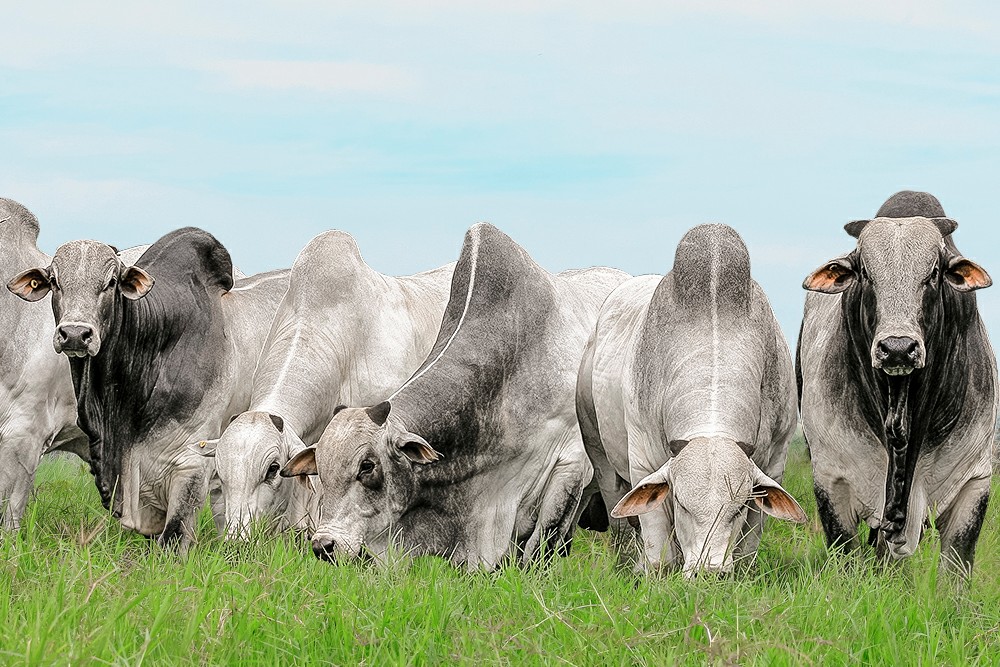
76	339
898	355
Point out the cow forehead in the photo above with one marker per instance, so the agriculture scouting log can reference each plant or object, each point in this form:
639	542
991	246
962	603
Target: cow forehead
249	434
85	257
349	430
711	468
910	234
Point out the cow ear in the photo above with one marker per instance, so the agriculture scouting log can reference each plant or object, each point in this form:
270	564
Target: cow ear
774	500
303	463
417	450
832	278
647	495
206	448
31	285
855	227
676	446
964	275
278	422
945	225
379	413
135	283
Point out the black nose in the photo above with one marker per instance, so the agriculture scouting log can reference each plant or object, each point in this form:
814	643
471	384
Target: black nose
897	352
324	548
75	335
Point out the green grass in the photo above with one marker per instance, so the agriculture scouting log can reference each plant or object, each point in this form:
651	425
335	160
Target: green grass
76	589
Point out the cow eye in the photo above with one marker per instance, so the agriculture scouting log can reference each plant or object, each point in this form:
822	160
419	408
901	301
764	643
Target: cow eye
111	283
366	468
934	275
272	471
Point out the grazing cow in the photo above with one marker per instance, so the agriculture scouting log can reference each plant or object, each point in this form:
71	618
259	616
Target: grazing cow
478	456
162	353
898	384
37	409
344	333
686	394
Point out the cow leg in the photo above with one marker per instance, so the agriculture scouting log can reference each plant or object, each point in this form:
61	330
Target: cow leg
960	525
558	512
187	493
658	544
840	523
18	463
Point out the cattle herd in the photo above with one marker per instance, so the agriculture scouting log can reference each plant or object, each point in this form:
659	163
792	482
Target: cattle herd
485	410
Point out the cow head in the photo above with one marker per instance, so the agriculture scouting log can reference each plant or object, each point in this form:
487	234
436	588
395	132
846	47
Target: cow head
86	279
900	266
248	458
710	482
365	464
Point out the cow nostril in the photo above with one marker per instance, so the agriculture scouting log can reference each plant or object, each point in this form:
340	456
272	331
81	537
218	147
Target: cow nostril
323	548
897	349
75	333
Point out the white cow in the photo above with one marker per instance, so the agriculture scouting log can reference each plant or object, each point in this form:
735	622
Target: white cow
686	393
343	334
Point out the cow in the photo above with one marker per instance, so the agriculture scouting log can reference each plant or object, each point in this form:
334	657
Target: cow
686	399
162	353
37	408
898	385
477	457
343	333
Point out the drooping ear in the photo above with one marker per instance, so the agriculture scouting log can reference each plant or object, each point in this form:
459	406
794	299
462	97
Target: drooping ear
945	225
774	500
205	447
417	450
964	275
303	463
278	422
676	446
135	283
379	413
647	495
31	285
855	227
832	278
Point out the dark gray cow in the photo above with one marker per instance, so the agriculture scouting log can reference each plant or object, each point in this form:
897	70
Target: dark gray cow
899	384
686	395
37	408
480	456
162	353
344	334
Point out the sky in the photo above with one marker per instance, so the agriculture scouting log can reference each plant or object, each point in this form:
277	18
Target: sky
593	133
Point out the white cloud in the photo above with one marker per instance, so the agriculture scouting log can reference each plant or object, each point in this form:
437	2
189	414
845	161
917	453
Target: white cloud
314	76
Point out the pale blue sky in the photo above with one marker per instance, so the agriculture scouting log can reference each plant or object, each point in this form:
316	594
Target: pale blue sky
591	132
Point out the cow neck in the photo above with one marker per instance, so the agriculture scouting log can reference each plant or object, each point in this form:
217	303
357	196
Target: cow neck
915	412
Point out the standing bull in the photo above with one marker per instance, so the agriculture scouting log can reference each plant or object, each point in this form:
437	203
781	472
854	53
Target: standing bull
686	394
162	354
898	384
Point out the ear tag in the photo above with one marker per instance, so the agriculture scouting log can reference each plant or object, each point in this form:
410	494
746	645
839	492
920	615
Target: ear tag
202	444
34	283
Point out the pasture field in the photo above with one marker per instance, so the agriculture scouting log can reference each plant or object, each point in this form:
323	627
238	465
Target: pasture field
76	589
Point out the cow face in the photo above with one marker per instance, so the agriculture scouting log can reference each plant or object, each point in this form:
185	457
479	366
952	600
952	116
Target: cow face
86	279
248	458
900	265
711	481
365	465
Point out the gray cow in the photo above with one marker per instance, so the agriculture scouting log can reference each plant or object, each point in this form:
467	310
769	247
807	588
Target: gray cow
161	353
343	334
898	384
37	408
478	456
686	394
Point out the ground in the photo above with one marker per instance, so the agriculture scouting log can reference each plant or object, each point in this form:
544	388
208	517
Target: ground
76	589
